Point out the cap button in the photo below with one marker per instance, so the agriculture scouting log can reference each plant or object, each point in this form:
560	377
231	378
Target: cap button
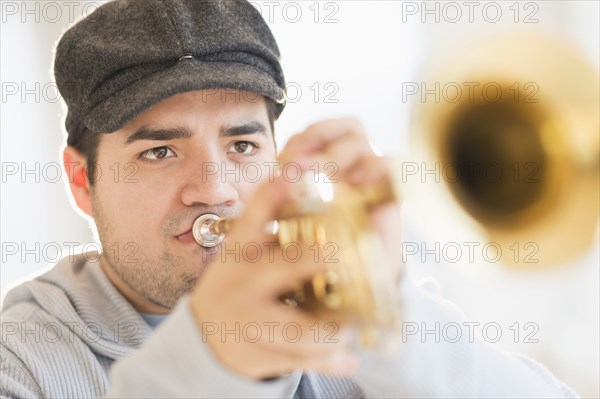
186	57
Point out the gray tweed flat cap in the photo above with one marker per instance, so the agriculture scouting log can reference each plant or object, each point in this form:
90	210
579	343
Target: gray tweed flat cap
130	54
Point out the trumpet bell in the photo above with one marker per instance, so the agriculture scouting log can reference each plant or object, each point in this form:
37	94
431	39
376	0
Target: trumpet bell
521	146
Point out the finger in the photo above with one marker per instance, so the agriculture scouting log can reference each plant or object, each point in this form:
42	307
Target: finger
369	168
319	135
295	331
280	276
265	204
346	153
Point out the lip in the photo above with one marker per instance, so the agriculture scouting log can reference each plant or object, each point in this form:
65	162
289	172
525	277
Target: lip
187	237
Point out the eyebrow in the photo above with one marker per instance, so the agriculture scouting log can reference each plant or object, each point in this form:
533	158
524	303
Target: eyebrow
240	130
146	133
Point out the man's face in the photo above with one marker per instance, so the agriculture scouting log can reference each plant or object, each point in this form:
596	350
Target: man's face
166	167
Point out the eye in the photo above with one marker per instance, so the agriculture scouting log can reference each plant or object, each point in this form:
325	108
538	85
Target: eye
158	153
243	147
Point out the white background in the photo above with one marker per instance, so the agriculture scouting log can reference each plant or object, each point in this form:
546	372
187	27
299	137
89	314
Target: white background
359	53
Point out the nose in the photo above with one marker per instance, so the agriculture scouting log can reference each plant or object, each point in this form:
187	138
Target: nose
207	185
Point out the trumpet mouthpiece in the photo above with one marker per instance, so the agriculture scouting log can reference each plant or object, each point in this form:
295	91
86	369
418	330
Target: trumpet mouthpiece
204	232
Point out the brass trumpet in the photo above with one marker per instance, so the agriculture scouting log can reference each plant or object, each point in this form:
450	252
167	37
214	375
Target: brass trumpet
358	284
555	130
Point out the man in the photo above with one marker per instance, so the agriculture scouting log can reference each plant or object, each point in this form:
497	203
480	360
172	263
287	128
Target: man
160	91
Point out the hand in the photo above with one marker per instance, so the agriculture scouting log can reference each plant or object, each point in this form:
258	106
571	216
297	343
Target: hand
344	143
243	294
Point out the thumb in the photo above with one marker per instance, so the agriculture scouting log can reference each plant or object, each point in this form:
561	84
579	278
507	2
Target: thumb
265	204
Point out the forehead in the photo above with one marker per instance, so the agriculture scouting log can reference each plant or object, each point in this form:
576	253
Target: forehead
203	108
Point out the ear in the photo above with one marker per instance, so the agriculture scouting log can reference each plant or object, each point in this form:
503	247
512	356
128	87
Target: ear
75	165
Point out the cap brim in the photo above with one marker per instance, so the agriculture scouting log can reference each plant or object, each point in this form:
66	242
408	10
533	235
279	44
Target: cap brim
187	75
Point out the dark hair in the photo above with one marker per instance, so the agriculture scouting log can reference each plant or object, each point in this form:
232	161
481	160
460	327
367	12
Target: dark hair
87	141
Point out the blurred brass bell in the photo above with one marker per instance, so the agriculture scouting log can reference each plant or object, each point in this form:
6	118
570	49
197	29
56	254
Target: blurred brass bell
521	145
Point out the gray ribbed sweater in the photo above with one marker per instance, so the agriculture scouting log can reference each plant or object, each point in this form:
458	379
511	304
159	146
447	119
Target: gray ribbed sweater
63	332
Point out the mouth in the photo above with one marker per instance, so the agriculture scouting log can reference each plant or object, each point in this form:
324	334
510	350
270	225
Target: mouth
187	237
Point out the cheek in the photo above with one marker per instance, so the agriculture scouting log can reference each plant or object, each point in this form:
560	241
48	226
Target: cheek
128	195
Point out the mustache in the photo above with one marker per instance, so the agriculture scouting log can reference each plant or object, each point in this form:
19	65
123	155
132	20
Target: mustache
182	221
